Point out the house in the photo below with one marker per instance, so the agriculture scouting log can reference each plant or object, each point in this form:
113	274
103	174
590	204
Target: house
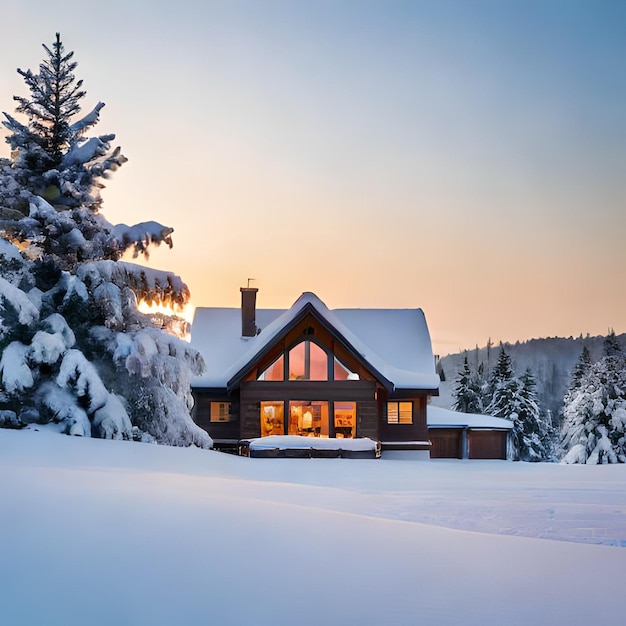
314	372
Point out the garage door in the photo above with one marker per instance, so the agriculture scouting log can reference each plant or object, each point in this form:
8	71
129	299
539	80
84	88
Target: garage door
445	443
487	444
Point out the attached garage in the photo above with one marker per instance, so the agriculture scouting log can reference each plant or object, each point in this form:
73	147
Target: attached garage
455	435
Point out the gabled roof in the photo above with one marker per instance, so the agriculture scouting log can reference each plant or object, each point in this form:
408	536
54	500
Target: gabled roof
395	343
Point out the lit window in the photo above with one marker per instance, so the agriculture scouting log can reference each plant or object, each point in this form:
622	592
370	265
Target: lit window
220	412
307	361
345	419
275	371
272	418
399	412
309	419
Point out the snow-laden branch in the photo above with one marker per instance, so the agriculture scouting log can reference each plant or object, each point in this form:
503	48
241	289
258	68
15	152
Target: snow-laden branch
153	286
142	235
91	119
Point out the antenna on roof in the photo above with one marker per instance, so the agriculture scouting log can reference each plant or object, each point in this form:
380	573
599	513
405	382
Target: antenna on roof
249	279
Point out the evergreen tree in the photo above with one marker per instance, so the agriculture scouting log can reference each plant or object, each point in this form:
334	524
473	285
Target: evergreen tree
532	431
515	399
580	369
594	412
51	157
612	346
468	397
75	351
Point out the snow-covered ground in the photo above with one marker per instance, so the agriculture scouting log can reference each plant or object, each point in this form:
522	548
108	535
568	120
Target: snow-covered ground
106	532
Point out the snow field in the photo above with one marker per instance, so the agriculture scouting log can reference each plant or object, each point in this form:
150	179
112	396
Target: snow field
109	532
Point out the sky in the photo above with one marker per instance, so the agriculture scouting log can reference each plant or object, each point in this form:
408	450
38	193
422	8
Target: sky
462	156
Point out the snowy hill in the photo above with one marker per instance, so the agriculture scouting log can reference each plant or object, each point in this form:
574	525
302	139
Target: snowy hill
112	532
551	360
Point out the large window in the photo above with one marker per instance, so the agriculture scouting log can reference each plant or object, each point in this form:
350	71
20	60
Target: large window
272	418
309	419
399	412
307	361
345	419
220	412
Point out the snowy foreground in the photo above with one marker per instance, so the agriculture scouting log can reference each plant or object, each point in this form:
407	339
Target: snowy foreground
106	532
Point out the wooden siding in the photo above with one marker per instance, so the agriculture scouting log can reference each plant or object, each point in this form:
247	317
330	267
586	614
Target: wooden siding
201	415
367	419
487	444
446	443
417	431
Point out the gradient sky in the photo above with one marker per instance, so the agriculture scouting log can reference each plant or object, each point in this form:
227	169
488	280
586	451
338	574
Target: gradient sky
466	157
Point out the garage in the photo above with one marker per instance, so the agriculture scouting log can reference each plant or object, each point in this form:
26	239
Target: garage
455	435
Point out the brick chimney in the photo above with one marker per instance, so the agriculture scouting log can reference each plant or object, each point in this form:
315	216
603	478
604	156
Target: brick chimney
248	311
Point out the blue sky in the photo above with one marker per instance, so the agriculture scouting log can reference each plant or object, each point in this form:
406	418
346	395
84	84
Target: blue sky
466	157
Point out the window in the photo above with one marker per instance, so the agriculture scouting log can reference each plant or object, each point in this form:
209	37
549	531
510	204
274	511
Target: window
309	419
275	371
272	418
342	372
399	412
220	412
345	419
307	361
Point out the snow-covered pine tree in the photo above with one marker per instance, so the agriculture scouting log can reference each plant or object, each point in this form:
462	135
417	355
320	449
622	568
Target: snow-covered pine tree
467	393
51	156
75	350
514	398
580	369
532	431
594	411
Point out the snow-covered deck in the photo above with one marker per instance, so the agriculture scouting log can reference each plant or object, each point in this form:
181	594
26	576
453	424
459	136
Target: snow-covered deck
296	446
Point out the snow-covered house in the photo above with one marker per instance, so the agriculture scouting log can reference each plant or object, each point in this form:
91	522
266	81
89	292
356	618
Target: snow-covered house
310	371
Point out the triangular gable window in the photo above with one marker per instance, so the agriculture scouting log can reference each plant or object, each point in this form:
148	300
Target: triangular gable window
275	371
341	372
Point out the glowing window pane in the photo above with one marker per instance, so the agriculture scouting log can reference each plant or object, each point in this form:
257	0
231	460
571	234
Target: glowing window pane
399	412
341	372
274	371
345	419
307	361
272	419
308	419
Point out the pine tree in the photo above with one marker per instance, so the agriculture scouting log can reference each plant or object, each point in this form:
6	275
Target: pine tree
515	399
580	369
75	351
51	157
594	411
532	431
468	397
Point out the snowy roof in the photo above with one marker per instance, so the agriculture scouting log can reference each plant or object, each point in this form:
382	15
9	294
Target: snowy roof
394	342
438	417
